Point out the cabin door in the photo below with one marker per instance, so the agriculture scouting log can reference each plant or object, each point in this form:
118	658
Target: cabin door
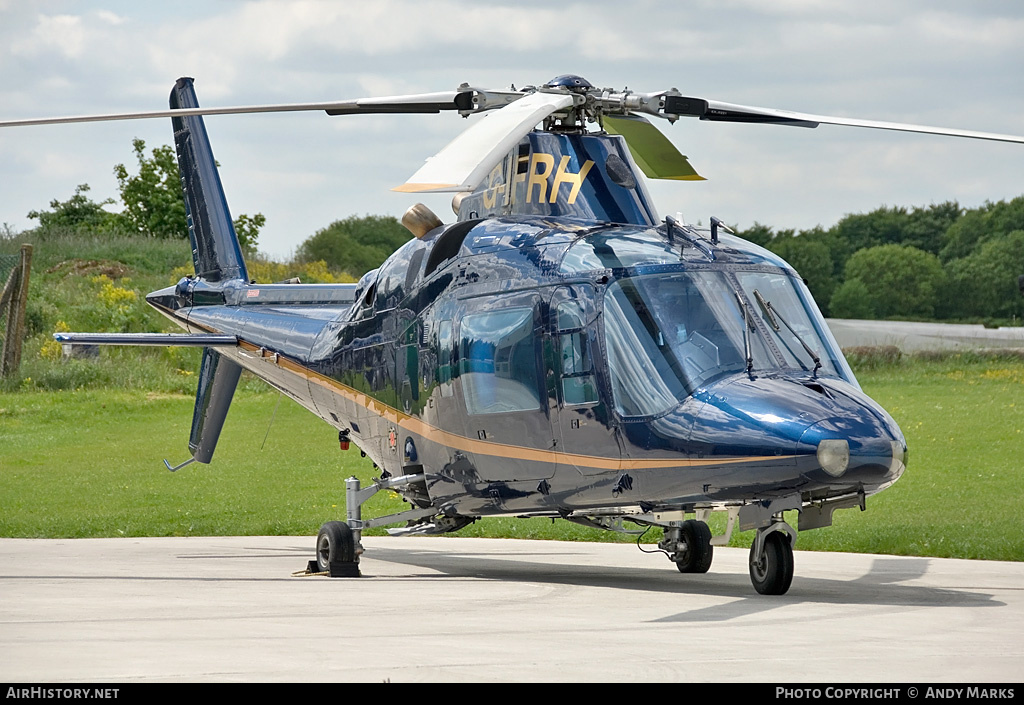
582	436
500	384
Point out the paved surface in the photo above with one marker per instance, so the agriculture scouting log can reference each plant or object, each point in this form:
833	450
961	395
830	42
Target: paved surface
459	609
911	336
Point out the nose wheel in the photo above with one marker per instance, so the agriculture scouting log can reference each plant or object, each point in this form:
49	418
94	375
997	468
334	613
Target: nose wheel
771	560
695	551
688	545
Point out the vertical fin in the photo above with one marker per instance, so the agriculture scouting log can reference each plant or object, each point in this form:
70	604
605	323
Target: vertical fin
215	250
218	377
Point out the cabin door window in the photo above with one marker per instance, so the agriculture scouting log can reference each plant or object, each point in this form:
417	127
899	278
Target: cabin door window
498	362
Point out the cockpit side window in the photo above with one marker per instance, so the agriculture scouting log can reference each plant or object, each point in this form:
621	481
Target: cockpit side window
642	377
576	366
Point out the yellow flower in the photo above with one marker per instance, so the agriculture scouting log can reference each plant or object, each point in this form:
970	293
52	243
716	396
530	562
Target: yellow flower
51	350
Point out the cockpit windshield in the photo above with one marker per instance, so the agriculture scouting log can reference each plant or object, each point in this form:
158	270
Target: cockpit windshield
668	334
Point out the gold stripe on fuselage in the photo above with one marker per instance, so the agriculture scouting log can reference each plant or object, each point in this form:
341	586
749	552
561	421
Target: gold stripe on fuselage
500	450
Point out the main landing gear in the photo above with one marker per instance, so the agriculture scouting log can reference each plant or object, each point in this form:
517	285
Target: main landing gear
336	551
339	543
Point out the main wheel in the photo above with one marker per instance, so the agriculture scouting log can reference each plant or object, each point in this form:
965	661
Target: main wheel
336	550
772	571
697	552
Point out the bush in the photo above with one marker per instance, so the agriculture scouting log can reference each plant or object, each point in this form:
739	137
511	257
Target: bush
901	281
355	245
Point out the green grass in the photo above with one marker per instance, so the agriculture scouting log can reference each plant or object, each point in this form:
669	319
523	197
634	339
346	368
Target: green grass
81	441
963	417
87	463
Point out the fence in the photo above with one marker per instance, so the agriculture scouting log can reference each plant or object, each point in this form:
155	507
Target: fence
14	273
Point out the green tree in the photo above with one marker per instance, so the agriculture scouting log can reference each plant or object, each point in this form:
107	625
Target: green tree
921	228
78	213
355	244
980	224
901	281
248	229
852	300
812	261
984	284
926	227
153	202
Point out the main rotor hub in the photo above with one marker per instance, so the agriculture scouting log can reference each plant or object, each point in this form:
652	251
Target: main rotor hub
575	84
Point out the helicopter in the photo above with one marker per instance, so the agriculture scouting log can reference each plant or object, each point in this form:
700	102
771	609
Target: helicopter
558	350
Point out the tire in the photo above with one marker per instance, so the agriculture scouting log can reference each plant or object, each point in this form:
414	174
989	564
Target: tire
336	550
772	572
697	555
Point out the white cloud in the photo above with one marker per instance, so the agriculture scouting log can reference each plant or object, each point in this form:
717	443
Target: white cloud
61	33
110	17
931	62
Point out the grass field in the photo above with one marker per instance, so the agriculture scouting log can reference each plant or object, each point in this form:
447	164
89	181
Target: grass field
88	463
81	441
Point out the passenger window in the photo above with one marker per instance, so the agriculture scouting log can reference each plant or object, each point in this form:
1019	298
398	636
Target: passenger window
498	362
578	386
444	362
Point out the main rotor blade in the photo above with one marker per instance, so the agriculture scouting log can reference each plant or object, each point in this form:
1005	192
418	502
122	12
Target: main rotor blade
656	156
467	159
420	103
731	112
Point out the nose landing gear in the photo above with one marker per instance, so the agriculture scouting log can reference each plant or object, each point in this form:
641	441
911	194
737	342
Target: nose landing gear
689	546
771	559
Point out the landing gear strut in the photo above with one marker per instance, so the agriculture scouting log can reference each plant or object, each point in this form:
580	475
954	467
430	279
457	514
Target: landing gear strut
339	543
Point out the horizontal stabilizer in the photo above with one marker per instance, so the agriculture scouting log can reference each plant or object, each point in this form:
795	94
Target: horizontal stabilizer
159	339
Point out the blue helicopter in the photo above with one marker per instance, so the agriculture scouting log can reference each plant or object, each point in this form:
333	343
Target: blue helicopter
559	350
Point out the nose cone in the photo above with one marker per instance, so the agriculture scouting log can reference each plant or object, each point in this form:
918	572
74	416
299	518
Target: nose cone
857	450
838	438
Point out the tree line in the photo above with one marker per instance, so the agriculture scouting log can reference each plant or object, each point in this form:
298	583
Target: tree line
937	262
152	206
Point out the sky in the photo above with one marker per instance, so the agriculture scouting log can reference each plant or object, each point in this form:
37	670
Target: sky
931	62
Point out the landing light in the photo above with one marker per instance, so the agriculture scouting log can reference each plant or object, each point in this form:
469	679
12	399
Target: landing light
899	457
834	456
